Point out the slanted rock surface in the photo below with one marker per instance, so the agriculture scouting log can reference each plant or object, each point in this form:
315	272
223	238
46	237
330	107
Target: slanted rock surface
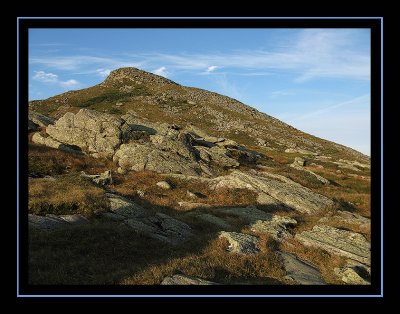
241	243
185	280
283	190
161	227
38	119
124	207
300	271
52	222
337	241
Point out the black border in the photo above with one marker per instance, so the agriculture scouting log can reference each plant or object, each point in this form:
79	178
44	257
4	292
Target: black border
375	24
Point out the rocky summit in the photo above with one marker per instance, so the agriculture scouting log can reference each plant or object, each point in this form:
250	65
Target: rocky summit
140	180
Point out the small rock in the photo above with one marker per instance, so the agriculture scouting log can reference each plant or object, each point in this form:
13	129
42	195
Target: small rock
121	170
141	193
164	185
191	194
185	280
300	161
241	243
101	179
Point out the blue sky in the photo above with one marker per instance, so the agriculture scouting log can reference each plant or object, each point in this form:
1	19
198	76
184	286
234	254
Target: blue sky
317	80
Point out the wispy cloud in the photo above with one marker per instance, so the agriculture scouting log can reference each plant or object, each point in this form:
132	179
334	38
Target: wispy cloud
103	72
311	54
162	71
52	78
211	68
278	93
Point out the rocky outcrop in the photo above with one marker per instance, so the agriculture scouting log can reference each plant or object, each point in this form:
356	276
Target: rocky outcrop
53	222
241	243
281	189
50	142
276	226
96	133
36	120
185	280
337	241
300	271
249	214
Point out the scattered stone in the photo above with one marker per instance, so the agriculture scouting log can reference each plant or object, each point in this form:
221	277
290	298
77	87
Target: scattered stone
191	194
337	241
354	273
276	226
141	193
241	243
300	151
185	280
299	162
164	185
121	170
300	271
104	178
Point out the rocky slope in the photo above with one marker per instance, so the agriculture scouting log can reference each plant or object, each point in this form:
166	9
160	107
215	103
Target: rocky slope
183	168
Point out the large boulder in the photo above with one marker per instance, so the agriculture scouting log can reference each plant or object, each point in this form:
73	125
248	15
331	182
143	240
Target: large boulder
150	157
99	134
338	241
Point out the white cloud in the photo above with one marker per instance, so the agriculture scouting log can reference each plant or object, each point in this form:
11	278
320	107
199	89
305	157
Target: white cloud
211	68
103	72
45	77
162	71
52	78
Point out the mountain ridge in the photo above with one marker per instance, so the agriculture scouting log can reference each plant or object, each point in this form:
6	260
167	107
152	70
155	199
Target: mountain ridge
147	89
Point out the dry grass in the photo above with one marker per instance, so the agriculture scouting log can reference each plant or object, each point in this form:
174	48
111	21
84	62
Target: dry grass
214	263
130	183
50	161
68	194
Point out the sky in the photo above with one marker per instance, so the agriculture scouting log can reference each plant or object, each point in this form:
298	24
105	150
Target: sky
317	80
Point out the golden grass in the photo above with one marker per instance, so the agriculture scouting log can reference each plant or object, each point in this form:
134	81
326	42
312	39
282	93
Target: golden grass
68	194
216	264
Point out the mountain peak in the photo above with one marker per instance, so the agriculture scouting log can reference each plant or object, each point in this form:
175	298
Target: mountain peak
135	76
